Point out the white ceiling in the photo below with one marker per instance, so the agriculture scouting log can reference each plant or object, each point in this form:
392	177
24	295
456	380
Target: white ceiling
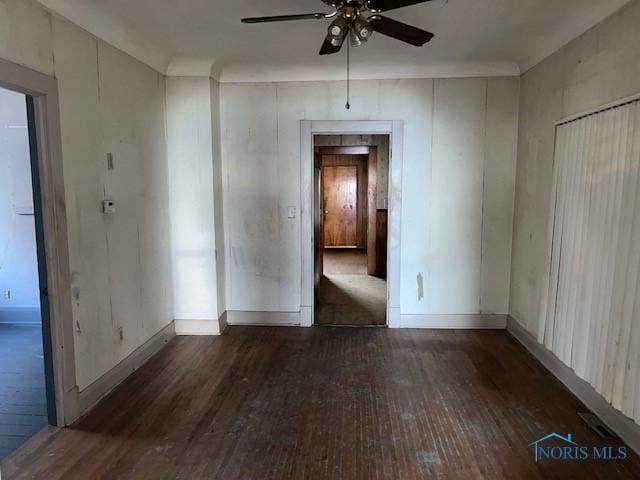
199	37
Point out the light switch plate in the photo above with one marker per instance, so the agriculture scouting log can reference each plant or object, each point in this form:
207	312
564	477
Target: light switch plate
291	212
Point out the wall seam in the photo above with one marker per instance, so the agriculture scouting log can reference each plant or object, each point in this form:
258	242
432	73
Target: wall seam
482	203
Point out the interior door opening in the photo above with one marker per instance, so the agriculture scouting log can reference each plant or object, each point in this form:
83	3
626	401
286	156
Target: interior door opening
26	377
350	220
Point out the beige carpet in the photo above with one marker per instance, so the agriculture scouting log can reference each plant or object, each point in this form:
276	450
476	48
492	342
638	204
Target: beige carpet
348	296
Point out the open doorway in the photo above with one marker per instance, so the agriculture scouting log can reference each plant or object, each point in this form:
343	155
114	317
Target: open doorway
26	384
351	200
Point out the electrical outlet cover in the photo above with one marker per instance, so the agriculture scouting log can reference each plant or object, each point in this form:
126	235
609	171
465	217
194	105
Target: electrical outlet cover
108	207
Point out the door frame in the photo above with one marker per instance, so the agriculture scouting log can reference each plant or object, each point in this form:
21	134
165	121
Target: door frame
51	222
308	130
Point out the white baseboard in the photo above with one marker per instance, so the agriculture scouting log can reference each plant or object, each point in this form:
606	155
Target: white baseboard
393	317
95	392
306	316
396	320
264	318
625	427
471	321
201	327
20	315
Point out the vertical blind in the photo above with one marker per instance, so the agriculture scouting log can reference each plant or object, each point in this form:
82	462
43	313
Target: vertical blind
590	315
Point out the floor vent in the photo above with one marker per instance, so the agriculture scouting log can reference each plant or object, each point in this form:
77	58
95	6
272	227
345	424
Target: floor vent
597	426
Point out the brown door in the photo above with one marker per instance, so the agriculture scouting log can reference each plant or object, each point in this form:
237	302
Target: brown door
340	186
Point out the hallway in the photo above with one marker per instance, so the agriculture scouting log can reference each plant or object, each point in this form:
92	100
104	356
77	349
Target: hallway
325	403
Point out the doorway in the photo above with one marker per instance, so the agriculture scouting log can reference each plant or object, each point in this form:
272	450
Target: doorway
350	205
27	401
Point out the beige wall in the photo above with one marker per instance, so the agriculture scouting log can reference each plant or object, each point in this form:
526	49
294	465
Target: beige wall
109	103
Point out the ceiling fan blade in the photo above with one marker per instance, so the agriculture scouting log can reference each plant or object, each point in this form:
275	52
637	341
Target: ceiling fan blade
386	5
400	31
285	18
334	3
328	48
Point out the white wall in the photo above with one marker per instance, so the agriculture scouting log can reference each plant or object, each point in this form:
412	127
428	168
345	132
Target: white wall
195	193
109	103
18	256
599	67
458	184
25	35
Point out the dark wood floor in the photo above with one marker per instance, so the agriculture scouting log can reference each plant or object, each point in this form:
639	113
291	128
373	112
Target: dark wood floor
23	403
325	403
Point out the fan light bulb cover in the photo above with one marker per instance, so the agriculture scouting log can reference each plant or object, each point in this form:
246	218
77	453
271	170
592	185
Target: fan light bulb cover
337	31
361	30
355	39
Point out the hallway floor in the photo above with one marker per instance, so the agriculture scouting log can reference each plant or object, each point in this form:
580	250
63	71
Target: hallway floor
23	404
348	296
325	403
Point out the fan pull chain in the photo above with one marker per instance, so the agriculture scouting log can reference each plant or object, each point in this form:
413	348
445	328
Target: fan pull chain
348	105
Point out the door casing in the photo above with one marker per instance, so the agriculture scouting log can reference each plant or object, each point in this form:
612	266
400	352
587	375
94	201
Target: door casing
308	129
45	124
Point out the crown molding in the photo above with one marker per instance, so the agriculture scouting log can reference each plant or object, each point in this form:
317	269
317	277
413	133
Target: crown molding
191	67
292	73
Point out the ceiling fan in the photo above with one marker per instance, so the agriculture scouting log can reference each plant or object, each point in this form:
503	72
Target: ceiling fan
358	19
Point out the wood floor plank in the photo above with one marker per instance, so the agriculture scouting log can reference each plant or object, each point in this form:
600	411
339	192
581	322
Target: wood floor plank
324	403
23	408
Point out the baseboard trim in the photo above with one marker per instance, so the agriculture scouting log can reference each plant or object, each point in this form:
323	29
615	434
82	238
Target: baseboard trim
223	322
624	427
91	395
302	318
471	321
20	316
201	327
285	319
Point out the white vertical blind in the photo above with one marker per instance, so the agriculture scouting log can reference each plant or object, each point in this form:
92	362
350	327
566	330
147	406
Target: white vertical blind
590	315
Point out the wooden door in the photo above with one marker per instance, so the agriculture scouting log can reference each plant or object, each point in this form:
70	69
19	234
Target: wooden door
340	194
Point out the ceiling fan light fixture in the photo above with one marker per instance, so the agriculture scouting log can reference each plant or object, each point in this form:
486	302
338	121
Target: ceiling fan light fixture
355	39
361	30
358	19
337	31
